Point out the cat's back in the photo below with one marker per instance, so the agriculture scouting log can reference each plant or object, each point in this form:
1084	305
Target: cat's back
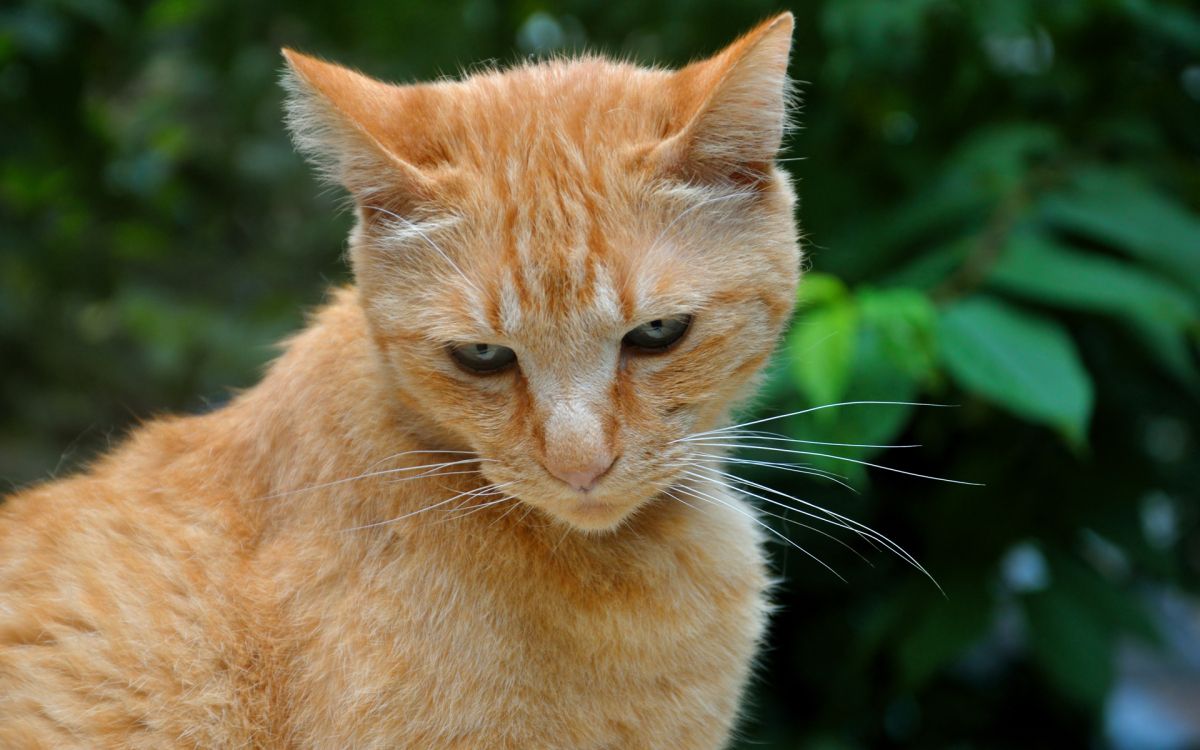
118	611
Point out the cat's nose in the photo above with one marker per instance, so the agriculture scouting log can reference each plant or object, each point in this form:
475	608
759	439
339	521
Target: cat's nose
582	477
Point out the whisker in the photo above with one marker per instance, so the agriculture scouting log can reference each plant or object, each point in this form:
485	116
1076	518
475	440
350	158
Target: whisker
505	498
505	513
481	506
526	513
409	515
561	539
858	528
848	459
485	491
809	411
430	469
803	525
667	491
702	438
865	536
408	453
692	492
794	468
429	474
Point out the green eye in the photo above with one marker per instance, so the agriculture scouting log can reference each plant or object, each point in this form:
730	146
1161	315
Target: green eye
483	358
658	334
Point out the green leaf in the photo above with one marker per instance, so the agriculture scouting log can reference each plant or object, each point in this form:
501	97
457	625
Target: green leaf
943	629
873	377
1038	268
918	228
1121	210
998	157
1171	350
820	289
821	347
1022	362
875	346
1072	648
1074	626
1110	605
932	267
906	320
1177	24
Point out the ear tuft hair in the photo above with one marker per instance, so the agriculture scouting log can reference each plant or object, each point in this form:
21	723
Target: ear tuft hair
736	105
341	121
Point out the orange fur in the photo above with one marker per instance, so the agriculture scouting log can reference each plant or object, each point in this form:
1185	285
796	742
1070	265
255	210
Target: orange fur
278	574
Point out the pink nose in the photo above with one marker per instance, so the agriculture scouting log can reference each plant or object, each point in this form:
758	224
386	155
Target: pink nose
582	478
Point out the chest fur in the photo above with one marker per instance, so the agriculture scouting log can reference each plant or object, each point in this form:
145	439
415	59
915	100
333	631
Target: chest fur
637	640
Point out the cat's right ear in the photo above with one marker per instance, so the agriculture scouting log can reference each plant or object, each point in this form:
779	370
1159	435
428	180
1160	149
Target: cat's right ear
730	111
358	132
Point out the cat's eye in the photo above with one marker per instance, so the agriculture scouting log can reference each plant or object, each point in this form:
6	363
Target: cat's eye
658	334
483	358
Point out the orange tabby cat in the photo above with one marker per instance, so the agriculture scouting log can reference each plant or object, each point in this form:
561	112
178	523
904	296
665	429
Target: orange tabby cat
444	519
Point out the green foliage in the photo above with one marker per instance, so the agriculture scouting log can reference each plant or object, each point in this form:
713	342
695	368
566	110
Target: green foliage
822	349
1122	211
1003	209
1071	646
1025	363
940	631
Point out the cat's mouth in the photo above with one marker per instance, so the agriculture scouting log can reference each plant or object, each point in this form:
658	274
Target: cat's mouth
599	509
597	506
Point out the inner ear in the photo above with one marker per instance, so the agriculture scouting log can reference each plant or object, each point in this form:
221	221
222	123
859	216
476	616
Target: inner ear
403	202
378	140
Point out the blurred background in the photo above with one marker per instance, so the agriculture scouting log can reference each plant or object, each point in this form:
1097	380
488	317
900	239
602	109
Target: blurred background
1002	204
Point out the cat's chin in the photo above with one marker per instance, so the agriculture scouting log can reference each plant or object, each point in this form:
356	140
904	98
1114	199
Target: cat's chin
592	514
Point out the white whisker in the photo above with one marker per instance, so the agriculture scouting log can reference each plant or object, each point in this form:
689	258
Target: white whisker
505	513
699	495
845	458
409	453
854	526
430	469
801	524
742	490
431	474
493	491
486	491
667	491
409	515
809	411
702	439
794	468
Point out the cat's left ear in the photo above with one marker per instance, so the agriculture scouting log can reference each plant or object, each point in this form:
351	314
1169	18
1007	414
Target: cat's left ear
730	110
369	136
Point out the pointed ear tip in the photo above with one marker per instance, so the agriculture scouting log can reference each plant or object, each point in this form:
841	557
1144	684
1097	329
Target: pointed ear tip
300	62
783	24
293	58
775	32
304	67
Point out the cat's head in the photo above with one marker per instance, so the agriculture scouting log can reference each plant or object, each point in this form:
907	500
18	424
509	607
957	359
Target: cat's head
568	265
